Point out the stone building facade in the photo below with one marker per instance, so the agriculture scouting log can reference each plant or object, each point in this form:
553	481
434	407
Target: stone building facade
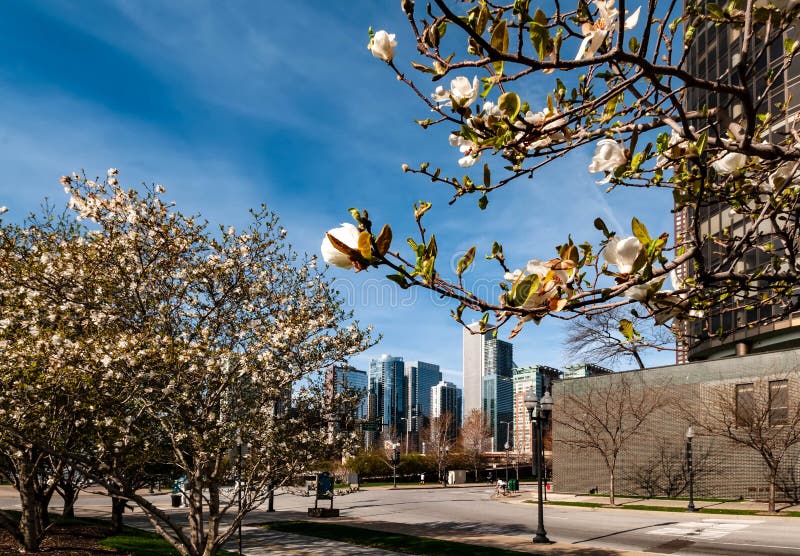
652	461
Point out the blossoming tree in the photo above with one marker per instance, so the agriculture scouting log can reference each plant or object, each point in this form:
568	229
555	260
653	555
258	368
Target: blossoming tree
620	81
189	344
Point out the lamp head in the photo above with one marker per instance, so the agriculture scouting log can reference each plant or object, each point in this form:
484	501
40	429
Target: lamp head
530	399
689	433
547	402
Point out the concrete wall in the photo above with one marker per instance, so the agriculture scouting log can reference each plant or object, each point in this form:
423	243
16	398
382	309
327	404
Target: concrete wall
724	469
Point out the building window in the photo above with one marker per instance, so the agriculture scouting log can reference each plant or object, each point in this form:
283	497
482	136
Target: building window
778	402
744	404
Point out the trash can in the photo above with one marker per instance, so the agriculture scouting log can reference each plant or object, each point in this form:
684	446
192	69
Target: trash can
176	500
513	485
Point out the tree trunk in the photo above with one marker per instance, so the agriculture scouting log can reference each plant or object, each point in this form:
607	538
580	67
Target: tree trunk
70	494
611	487
772	479
30	523
117	513
194	490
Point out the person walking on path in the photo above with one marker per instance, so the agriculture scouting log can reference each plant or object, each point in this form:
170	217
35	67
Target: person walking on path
422	478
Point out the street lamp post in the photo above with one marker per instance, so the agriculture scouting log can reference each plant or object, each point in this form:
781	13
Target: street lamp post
538	412
395	461
689	436
507	445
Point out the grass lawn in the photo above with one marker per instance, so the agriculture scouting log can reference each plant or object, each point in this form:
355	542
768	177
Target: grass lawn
719	511
396	542
143	543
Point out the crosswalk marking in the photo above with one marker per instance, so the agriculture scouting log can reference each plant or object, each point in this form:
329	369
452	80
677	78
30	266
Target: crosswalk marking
707	529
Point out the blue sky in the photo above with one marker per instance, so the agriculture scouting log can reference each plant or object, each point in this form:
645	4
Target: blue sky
231	104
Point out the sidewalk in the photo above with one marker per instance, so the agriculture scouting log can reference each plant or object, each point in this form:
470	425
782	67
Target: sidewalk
528	493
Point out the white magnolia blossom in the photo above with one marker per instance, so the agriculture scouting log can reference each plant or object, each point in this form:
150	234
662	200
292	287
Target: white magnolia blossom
729	163
462	93
677	147
546	124
608	156
472	152
622	253
781	176
595	34
3	209
347	234
382	45
553	276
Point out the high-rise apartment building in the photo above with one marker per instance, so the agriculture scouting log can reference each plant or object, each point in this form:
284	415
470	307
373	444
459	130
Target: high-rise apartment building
472	356
386	391
485	359
420	377
536	377
498	408
734	326
341	377
582	370
446	400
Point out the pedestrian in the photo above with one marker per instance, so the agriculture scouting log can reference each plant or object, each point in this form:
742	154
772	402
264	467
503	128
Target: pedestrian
422	478
501	487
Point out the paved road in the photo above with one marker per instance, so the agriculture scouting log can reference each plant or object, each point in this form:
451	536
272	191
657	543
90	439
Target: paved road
469	513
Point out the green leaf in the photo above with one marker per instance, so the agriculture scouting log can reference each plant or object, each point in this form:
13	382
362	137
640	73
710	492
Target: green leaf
626	329
610	109
421	209
509	103
355	214
487	176
790	45
640	231
497	252
523	289
636	161
432	250
540	34
400	280
499	42
700	145
465	261
420	67
483	202
600	225
483	19
715	11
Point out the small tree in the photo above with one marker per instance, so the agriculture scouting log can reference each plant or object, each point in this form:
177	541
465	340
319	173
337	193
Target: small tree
666	472
603	413
475	437
617	336
439	437
220	332
756	415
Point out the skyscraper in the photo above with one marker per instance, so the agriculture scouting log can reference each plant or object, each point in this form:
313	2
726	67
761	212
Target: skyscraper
472	354
498	408
420	377
736	326
446	400
538	377
487	361
340	377
386	389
